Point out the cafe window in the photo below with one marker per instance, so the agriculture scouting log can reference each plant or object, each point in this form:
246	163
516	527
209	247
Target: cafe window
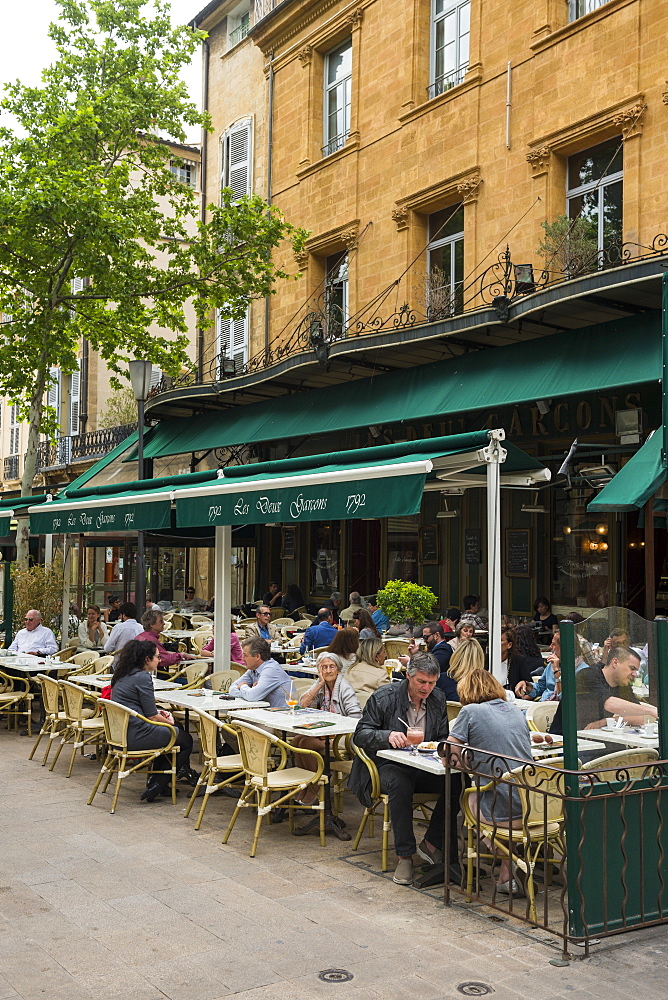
580	554
325	549
402	548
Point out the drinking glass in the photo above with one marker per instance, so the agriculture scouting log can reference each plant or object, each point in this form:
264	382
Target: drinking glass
291	699
414	737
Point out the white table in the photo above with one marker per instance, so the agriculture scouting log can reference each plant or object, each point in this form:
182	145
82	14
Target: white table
178	633
622	737
209	702
300	668
421	761
101	680
26	663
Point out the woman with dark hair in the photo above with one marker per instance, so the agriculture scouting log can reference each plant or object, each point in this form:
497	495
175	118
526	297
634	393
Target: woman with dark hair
543	614
345	644
293	599
363	621
526	645
132	686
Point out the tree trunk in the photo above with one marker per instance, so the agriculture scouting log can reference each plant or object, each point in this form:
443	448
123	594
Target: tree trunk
30	468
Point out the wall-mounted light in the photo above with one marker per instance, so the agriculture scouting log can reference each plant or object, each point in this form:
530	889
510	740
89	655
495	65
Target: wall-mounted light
567	529
601	529
593	546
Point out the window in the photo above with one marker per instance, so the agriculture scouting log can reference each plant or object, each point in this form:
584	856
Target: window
14	431
184	171
231	344
594	194
238	23
445	283
578	8
338	79
237	153
75	398
450	33
336	293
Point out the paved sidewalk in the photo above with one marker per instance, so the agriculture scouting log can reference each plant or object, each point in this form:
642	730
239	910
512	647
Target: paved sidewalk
137	906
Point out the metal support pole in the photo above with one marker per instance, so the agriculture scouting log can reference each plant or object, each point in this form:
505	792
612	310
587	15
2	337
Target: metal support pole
65	601
140	564
662	684
494	554
650	567
222	592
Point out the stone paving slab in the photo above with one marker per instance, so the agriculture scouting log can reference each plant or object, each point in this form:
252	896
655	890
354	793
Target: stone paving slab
137	906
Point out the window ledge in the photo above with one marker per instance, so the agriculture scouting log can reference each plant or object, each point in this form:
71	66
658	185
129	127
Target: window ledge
473	79
579	24
352	146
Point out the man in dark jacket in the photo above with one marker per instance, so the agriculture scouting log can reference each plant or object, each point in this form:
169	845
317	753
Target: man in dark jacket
417	701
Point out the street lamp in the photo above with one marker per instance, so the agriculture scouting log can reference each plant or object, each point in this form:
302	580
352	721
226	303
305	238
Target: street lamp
140	377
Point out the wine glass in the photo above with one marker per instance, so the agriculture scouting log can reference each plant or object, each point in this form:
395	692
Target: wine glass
414	737
291	699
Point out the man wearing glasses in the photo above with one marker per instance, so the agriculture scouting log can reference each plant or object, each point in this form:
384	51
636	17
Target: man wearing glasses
35	638
262	626
191	602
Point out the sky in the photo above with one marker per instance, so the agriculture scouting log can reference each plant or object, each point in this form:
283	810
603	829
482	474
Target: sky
31	50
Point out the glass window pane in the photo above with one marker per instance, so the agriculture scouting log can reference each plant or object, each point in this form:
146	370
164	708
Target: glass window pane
590	165
448	222
339	62
612	214
464	18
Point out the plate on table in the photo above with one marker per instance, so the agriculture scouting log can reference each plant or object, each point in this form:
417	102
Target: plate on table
544	745
430	746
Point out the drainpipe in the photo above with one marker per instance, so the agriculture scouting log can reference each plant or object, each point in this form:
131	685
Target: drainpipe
508	106
270	139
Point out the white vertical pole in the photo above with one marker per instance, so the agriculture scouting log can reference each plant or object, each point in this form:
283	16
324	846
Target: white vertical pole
65	609
48	550
222	591
494	553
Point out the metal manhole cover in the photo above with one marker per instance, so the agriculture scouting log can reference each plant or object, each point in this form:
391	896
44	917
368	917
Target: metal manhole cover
474	989
335	976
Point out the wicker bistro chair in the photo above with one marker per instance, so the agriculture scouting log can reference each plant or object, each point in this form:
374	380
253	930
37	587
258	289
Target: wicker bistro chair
625	765
54	718
200	638
396	647
539	715
380	798
261	783
230	765
65	654
16	699
82	663
116	718
79	728
201	619
542	815
454	708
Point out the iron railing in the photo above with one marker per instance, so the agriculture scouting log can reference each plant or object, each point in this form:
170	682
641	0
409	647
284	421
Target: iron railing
447	81
334	144
11	470
499	286
263	8
79	447
241	31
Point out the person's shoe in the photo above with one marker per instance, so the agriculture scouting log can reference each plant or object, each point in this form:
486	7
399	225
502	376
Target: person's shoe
403	873
166	792
151	792
430	854
188	775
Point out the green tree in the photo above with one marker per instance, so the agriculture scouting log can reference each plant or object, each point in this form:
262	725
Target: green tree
86	191
569	245
406	602
120	409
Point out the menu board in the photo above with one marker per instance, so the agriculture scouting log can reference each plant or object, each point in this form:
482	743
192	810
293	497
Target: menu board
518	552
472	547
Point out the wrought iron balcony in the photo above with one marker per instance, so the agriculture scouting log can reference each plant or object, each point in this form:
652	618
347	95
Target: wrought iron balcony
240	33
447	81
504	283
11	467
79	447
264	7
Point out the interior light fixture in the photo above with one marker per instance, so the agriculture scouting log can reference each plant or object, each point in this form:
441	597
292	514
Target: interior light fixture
601	529
445	511
534	507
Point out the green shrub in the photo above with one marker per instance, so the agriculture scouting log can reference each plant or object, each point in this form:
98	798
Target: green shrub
406	602
39	587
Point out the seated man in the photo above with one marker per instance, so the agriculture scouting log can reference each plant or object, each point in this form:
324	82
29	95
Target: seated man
417	701
320	633
262	627
356	603
433	634
126	628
603	692
35	638
111	613
154	623
265	679
192	603
273	595
470	613
379	618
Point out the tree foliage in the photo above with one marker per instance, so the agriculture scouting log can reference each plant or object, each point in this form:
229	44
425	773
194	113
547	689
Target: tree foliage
86	191
119	410
406	602
39	587
569	245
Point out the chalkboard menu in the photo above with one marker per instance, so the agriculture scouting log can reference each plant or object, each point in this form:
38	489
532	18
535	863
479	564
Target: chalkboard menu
472	547
518	552
429	545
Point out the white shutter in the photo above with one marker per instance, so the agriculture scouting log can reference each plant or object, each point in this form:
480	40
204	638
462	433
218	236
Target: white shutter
237	156
77	285
232	340
75	398
14	431
156	375
53	398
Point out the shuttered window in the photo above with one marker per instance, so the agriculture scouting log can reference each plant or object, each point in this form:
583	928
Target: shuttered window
14	431
75	398
237	151
53	397
231	344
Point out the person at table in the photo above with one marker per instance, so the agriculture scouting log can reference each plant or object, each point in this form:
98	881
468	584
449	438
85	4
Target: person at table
471	605
468	656
345	645
417	702
433	635
487	722
617	637
111	613
380	619
330	693
126	628
153	624
548	687
320	633
131	685
356	603
292	601
451	620
93	633
526	646
513	671
164	601
605	692
368	673
543	615
463	630
273	595
334	605
34	637
236	652
191	603
265	679
365	625
262	626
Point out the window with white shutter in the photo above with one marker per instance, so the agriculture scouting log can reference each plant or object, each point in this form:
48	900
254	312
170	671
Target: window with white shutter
156	375
231	344
53	398
237	149
14	431
75	398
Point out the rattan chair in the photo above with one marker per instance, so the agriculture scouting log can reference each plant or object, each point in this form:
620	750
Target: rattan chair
115	718
200	638
54	718
380	798
240	668
16	699
64	655
221	680
179	622
230	765
303	623
539	715
103	662
84	660
625	765
261	783
80	730
396	647
282	621
201	619
454	708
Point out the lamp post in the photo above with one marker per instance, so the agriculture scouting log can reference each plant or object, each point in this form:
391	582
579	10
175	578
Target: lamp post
140	377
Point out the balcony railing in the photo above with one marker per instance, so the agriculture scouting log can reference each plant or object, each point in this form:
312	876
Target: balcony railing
578	8
240	33
447	81
11	470
499	286
336	143
79	447
264	7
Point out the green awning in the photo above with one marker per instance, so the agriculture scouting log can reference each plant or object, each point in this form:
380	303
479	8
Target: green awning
365	483
595	359
121	512
636	481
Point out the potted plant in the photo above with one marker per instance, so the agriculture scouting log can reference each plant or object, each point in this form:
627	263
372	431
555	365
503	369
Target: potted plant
570	246
406	602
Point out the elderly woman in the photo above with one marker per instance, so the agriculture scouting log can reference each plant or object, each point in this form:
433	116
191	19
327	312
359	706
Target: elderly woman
367	674
345	644
330	693
93	633
131	685
363	621
465	630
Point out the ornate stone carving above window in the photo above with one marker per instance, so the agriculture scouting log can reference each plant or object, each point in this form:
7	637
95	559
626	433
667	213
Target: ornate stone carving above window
400	216
630	121
539	159
469	187
305	55
355	18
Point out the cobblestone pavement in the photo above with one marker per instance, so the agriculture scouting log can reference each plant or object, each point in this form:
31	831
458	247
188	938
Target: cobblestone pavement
137	906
